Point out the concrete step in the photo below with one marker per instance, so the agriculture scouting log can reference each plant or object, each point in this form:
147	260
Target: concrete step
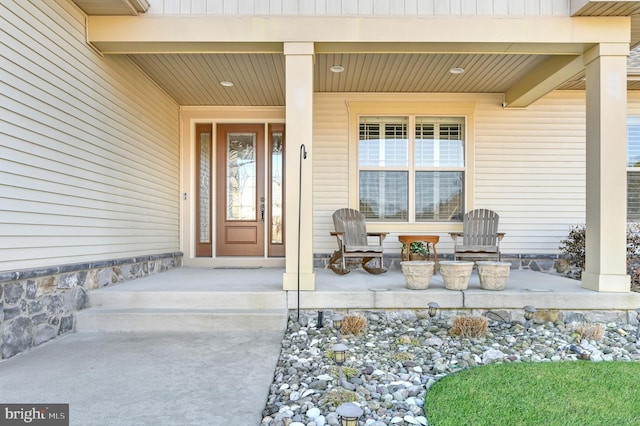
157	320
188	300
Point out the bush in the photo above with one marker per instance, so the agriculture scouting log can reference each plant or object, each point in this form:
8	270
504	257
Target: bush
469	327
573	249
354	324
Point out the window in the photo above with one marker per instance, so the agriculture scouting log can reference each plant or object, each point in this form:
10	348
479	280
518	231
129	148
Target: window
633	169
411	168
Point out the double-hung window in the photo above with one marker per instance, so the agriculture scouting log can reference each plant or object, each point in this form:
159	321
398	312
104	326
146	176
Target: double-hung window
633	169
411	168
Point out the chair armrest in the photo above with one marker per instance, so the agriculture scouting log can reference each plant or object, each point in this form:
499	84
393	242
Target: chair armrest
380	235
339	235
455	236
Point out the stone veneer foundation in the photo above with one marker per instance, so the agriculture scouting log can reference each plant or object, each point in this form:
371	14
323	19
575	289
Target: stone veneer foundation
536	262
38	305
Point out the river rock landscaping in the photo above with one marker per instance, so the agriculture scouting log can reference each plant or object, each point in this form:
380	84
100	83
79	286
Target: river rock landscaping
401	354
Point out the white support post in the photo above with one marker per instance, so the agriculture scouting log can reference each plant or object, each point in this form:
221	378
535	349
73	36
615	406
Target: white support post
606	159
299	121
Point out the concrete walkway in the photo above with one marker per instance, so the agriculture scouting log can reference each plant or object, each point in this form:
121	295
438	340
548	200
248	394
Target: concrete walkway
205	378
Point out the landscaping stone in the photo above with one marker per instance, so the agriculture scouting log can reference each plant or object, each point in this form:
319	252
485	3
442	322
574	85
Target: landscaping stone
401	356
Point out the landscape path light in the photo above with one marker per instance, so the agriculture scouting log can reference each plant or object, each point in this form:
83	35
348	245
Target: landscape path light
340	356
337	324
529	312
340	353
349	414
433	310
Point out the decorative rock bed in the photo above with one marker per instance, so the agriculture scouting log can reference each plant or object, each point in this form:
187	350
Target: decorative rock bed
401	355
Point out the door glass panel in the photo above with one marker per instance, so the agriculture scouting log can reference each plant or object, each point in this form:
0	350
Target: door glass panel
276	188
241	176
205	188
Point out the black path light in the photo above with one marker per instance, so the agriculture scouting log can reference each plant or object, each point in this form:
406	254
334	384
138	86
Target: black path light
433	310
349	414
529	312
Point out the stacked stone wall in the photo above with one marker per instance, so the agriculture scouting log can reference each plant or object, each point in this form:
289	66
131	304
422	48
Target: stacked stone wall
550	263
40	304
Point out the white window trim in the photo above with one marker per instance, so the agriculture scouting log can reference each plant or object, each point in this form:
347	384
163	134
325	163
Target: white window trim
412	109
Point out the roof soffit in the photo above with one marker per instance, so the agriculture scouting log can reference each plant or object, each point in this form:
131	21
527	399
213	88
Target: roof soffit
112	7
604	8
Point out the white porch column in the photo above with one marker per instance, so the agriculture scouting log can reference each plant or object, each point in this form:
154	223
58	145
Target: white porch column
299	116
606	178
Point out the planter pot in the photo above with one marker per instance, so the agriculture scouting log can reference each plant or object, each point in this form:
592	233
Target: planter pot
493	275
456	274
417	273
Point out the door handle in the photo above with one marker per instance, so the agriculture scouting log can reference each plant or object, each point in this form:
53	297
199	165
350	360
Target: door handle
262	211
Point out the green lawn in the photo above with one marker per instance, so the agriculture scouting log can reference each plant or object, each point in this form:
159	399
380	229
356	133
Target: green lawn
545	393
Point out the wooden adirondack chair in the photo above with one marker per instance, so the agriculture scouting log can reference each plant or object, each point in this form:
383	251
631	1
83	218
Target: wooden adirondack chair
479	239
352	235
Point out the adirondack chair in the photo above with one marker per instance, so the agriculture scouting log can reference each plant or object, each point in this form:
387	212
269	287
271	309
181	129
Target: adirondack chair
352	235
479	239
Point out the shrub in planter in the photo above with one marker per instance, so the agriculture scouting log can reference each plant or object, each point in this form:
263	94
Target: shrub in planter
417	250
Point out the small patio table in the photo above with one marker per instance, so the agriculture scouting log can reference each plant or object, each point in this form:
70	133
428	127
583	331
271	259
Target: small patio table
429	239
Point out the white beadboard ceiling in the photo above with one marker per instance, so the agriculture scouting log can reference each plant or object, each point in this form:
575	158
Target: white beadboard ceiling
259	79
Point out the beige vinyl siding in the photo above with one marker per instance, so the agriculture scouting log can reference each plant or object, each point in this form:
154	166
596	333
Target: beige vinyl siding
527	164
330	166
530	167
89	146
362	7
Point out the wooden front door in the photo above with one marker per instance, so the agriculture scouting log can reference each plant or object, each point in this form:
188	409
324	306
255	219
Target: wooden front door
241	204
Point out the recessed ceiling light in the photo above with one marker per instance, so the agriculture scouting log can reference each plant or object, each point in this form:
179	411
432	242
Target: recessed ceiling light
456	70
226	83
336	68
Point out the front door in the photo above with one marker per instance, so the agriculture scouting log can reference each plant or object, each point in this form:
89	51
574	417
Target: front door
240	191
243	218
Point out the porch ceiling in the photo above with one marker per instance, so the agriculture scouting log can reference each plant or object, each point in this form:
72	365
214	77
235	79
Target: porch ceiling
259	79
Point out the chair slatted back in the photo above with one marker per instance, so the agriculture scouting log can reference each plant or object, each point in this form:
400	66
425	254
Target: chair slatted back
353	224
480	228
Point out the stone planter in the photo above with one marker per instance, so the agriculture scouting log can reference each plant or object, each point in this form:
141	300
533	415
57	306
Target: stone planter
493	275
417	273
456	274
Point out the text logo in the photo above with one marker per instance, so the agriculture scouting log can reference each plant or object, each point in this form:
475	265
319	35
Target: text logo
34	414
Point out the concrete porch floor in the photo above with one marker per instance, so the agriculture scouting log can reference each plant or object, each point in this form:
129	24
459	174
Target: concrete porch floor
361	290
